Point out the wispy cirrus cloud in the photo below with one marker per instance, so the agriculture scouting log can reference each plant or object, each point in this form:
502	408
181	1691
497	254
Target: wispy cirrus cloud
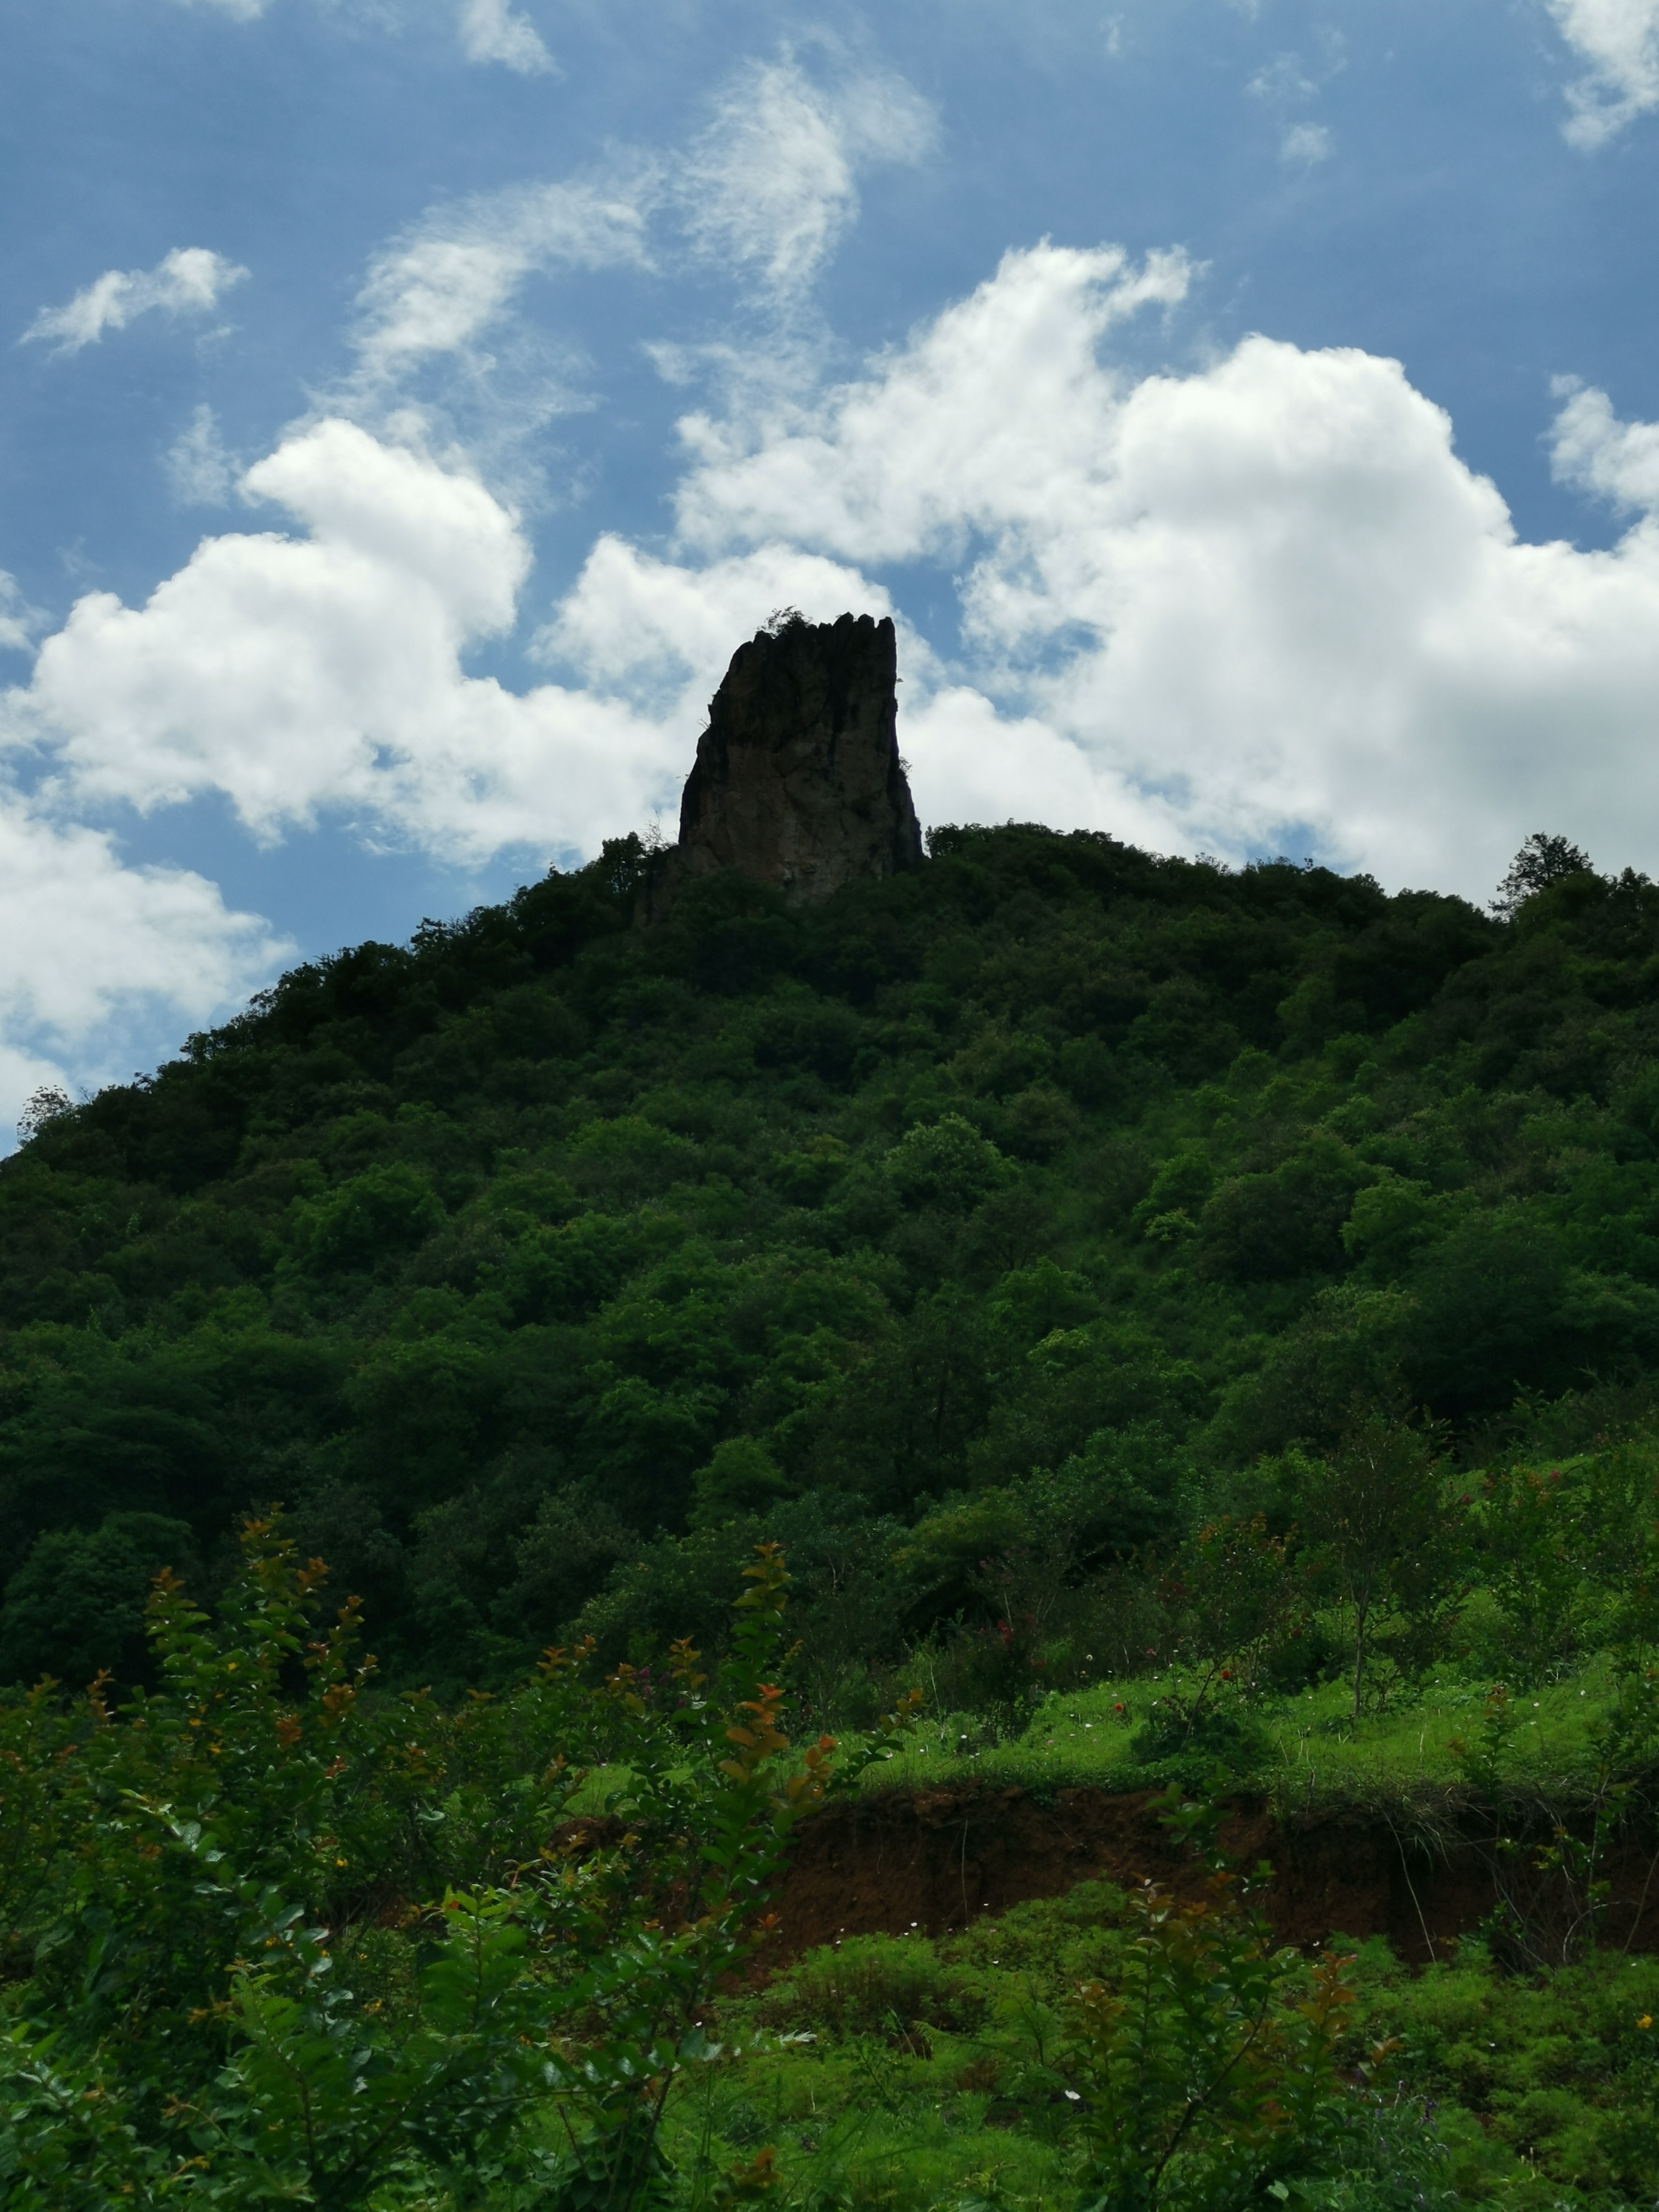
1303	144
1288	82
199	470
19	621
760	195
767	189
770	185
191	279
438	288
492	32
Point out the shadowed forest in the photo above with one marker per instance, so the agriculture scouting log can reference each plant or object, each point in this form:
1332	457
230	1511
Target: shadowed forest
1126	1324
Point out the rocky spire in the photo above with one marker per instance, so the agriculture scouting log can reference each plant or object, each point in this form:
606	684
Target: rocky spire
797	780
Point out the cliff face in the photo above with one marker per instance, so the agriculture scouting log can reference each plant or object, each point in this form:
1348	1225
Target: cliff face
798	781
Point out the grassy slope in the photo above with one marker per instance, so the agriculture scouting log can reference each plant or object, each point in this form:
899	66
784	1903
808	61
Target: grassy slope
1318	1751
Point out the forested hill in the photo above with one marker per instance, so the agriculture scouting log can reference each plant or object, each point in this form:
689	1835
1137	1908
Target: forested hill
506	1258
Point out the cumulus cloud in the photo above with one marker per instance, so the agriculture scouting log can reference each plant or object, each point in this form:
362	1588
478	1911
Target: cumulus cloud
1257	604
1590	448
490	32
91	949
190	280
80	931
323	669
771	184
966	428
1259	601
1620	41
318	664
657	633
198	468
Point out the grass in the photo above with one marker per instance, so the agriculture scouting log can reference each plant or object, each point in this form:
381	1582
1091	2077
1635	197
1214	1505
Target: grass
1313	1748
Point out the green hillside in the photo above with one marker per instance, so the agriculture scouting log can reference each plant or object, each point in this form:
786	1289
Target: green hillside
1182	1326
536	1266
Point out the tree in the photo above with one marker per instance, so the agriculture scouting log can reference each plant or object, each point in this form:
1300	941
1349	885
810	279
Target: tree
1541	861
741	1477
46	1104
1207	2076
1231	1593
77	1604
1373	1513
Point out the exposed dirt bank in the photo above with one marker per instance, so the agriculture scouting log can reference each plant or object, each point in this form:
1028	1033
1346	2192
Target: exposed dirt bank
935	1859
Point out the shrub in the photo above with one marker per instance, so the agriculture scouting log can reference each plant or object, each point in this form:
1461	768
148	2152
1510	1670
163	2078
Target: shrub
187	1884
872	1986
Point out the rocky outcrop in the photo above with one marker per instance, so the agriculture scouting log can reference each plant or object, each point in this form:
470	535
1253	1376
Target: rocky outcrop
797	780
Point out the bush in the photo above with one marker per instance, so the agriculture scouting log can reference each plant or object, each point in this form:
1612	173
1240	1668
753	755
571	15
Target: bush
873	1985
1208	1738
189	1884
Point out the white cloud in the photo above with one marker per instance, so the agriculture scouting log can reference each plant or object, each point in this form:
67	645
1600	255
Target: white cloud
297	674
490	32
1305	144
1287	82
323	670
660	635
1593	450
771	184
189	280
1282	80
91	949
1259	602
18	620
768	188
1620	39
80	932
239	11
438	289
965	429
198	468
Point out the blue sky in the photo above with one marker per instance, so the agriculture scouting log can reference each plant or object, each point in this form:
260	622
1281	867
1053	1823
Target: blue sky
1248	409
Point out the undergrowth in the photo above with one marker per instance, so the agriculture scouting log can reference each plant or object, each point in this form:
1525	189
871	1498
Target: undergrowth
908	2074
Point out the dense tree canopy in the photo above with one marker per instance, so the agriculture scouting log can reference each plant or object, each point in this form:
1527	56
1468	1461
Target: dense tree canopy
537	1263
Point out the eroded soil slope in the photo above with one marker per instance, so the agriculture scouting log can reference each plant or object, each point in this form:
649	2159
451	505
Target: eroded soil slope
932	1860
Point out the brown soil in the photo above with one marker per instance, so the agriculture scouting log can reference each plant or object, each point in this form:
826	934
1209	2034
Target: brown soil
934	1859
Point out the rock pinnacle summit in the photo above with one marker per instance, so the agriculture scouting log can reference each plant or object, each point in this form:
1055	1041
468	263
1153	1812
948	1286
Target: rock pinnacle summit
798	781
